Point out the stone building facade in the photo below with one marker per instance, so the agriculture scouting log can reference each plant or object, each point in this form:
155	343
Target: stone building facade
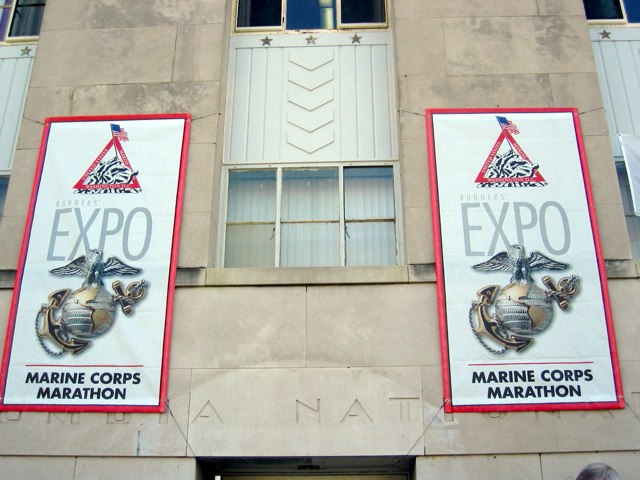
316	370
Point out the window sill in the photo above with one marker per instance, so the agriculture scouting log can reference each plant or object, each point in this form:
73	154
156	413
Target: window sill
420	273
319	275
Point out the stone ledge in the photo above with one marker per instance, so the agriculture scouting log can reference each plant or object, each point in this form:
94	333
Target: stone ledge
416	273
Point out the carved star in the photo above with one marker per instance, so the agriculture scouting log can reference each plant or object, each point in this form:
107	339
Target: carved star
311	40
266	40
26	51
604	34
355	39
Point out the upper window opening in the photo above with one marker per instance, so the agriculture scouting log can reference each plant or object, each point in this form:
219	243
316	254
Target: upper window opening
603	9
310	14
21	18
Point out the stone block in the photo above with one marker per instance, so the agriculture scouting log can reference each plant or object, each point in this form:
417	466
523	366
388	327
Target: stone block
464	8
466	91
419	46
37	468
136	468
613	231
306	412
414	176
568	465
42	103
418	235
11	232
495	467
625	302
199	185
102	434
581	90
20	183
530	432
602	170
199	53
99	57
398	329
238	327
517	45
561	7
90	14
194	240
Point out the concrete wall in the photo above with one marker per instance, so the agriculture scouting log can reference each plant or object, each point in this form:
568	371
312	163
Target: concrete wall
318	362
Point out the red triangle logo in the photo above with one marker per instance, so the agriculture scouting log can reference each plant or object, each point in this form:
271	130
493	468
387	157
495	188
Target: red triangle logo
508	165
109	174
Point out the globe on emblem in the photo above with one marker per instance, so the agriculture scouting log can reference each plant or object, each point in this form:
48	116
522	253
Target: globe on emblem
523	308
88	312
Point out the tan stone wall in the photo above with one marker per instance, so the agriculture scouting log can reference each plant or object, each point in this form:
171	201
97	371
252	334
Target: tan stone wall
318	362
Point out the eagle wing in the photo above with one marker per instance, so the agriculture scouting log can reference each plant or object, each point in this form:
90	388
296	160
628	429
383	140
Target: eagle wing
538	261
77	267
500	261
113	266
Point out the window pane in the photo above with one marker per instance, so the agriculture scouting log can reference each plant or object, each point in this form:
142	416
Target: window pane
250	246
259	13
363	11
310	195
368	193
252	196
251	213
371	243
4	185
602	9
27	18
309	245
310	14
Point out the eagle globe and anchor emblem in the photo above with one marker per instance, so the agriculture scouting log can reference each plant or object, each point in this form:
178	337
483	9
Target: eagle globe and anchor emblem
521	309
90	311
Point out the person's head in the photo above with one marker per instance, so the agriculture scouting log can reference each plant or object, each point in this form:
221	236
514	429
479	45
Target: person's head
598	471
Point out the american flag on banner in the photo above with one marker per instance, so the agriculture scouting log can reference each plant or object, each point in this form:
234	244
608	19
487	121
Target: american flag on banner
119	133
631	152
508	125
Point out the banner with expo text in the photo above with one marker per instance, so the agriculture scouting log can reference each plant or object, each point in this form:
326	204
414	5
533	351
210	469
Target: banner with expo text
91	311
523	303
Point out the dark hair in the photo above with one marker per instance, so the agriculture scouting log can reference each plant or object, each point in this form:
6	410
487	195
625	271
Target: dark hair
598	471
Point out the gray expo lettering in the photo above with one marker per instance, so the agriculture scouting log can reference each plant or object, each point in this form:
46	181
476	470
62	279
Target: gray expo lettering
550	217
113	221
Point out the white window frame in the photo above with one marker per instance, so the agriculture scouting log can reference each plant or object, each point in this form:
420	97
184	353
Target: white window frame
283	21
5	35
611	21
222	232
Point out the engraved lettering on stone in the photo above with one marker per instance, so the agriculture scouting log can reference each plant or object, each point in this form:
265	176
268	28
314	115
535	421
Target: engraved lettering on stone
71	418
118	418
606	414
404	407
304	411
357	413
208	413
495	415
10	417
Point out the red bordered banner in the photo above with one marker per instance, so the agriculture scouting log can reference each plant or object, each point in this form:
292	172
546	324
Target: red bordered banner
523	304
90	318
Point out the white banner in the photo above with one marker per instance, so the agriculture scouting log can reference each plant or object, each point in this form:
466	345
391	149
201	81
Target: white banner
90	318
525	319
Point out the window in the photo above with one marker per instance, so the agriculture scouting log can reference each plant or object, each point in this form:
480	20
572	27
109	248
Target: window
4	185
20	18
310	14
613	10
302	217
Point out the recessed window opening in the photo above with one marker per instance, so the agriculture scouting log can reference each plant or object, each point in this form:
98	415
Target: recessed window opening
311	217
603	9
310	14
27	17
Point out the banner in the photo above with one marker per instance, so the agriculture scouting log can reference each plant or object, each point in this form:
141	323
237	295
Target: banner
522	293
91	312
